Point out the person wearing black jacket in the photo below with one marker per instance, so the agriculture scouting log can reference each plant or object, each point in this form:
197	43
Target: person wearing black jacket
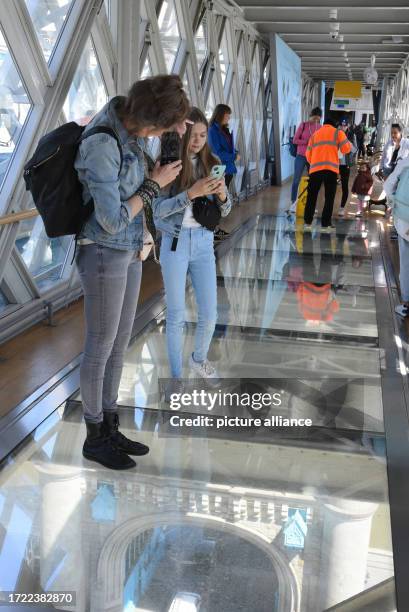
345	163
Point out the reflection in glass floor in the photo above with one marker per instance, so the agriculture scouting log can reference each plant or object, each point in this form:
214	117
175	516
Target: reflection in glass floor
230	519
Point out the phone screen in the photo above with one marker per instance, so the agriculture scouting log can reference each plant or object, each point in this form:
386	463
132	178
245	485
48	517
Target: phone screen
170	148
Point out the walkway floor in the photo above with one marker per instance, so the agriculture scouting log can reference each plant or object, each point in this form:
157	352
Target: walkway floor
238	514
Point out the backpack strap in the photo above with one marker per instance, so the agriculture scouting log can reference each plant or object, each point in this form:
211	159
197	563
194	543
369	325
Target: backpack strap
100	129
104	129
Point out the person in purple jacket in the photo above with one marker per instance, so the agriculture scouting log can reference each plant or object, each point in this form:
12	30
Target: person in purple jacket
304	132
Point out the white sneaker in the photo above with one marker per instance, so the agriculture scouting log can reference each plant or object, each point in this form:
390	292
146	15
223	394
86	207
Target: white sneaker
328	229
307	227
203	369
402	310
293	208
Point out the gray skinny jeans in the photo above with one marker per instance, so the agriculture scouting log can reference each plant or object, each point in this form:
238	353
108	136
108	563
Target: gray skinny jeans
111	280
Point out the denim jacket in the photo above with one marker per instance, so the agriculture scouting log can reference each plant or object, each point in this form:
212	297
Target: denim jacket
169	210
97	163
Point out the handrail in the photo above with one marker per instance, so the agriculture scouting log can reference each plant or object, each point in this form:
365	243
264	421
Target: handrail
19	216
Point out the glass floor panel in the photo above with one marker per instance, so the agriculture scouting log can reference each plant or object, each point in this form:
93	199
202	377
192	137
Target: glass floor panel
350	226
229	518
274	305
287	237
304	525
309	267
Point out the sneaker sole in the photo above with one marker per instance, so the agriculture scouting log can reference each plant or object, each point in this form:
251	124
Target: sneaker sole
107	465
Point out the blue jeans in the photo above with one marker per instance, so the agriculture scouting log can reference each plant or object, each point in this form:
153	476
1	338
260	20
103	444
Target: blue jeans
111	281
194	255
404	268
299	165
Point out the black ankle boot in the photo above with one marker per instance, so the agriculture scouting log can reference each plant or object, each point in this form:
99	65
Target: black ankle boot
100	447
111	420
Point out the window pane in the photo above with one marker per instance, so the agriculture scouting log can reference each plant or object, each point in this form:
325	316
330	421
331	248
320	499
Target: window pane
48	17
43	256
169	32
14	107
241	60
87	94
255	70
224	58
200	39
3	301
211	103
147	69
108	9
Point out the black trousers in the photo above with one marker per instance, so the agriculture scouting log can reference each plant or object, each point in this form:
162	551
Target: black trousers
227	179
329	179
344	172
361	148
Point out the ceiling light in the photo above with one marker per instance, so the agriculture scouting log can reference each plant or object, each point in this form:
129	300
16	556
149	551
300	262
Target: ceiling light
342	46
345	54
333	14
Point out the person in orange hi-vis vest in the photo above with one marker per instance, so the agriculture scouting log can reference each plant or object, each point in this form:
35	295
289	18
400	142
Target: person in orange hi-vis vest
323	156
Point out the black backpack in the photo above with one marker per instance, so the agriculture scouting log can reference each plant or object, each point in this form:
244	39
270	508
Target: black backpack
53	181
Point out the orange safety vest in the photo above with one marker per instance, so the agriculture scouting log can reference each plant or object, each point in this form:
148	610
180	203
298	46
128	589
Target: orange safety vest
323	147
316	302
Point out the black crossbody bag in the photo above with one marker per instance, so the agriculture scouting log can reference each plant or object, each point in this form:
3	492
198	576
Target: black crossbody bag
206	212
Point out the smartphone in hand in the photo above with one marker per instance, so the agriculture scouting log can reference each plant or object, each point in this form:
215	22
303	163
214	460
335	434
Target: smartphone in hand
217	171
170	148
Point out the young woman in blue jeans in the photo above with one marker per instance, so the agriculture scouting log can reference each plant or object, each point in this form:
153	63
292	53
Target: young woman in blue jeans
109	246
187	247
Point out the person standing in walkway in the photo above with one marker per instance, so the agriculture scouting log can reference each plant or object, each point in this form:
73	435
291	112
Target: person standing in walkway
400	220
360	136
187	249
108	259
301	137
362	187
322	155
221	143
395	149
221	140
346	161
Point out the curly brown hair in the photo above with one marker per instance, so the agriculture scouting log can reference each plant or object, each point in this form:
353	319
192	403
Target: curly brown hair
158	101
206	158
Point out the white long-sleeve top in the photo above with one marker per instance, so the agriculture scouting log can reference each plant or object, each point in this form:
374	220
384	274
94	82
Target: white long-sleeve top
389	186
388	152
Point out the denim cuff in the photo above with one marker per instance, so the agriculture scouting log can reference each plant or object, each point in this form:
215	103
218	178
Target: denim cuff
128	209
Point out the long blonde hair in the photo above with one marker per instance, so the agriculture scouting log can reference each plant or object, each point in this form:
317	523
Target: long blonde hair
206	158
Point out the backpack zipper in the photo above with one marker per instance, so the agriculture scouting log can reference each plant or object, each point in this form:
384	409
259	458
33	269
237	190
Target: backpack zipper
43	161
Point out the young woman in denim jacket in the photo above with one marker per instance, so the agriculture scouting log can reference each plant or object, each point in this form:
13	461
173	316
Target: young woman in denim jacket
109	245
194	252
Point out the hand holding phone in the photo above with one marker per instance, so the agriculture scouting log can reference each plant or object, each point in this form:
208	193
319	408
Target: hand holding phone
170	148
164	175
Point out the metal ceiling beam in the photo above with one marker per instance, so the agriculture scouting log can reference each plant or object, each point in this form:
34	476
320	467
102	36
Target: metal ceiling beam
345	34
398	5
342	22
357	53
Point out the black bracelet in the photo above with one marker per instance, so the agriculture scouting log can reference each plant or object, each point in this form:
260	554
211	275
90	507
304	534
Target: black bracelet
145	197
146	189
151	185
